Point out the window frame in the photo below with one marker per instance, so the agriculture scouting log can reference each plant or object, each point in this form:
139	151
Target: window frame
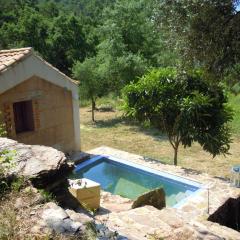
23	115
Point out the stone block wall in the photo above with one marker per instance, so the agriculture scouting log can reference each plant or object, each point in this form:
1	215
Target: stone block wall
52	113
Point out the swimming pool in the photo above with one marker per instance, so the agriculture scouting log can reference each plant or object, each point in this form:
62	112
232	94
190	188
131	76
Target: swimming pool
130	180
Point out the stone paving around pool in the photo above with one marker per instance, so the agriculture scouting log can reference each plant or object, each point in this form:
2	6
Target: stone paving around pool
189	221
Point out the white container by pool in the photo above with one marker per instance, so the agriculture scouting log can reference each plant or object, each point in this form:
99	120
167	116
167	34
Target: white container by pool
86	191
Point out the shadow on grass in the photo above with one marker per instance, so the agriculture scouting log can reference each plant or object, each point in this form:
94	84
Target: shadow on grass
133	126
109	123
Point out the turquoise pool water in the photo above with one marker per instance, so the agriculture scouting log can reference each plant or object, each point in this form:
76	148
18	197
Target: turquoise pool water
130	182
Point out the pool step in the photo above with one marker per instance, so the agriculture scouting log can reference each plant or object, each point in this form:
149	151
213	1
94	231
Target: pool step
175	198
171	201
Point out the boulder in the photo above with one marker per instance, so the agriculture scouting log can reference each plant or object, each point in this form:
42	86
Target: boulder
81	216
42	165
56	219
155	198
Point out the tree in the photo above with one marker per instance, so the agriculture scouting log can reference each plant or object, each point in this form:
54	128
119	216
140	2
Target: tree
183	106
58	36
67	42
91	84
129	44
205	33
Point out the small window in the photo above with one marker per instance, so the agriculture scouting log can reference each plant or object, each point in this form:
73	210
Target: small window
23	116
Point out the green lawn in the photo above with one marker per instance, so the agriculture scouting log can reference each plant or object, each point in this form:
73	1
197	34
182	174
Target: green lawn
112	130
234	102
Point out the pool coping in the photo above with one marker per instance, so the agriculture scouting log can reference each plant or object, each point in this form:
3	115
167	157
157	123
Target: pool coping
187	181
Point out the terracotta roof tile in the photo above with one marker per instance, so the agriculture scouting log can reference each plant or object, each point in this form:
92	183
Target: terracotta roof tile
10	57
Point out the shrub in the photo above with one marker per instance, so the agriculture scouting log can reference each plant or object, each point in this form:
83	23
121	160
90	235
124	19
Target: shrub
6	163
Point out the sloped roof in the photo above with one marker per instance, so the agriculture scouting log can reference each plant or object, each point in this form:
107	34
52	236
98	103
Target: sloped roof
12	56
9	58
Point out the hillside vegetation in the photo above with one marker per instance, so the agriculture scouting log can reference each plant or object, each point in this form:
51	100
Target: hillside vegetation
110	44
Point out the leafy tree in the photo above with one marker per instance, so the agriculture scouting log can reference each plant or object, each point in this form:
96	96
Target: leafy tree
91	85
60	38
205	33
184	106
67	42
129	43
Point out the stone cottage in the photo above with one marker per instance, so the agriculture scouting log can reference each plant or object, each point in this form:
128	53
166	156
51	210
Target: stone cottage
38	103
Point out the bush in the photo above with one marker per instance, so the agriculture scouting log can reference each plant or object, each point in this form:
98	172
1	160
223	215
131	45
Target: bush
6	163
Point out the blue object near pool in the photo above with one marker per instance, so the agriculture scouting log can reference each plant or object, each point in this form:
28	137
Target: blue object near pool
130	180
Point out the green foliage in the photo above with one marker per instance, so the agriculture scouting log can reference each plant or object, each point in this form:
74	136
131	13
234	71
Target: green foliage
2	130
205	33
6	160
18	184
127	37
67	42
184	106
91	84
6	163
234	103
48	197
58	37
87	75
128	42
232	78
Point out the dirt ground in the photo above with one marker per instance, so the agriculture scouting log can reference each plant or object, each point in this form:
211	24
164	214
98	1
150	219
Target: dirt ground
114	131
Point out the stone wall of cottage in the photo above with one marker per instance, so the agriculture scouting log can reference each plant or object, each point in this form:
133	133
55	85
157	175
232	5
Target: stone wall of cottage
52	113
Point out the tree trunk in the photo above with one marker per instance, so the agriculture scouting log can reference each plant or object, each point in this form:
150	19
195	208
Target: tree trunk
93	109
175	155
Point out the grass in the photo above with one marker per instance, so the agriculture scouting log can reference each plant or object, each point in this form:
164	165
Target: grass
234	102
112	130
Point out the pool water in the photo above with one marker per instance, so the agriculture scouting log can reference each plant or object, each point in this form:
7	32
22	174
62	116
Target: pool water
131	182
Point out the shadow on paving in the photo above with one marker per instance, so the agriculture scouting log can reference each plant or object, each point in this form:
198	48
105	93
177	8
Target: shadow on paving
191	171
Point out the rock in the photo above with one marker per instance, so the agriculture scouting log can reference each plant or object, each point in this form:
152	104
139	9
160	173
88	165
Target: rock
155	198
57	213
59	221
38	199
71	226
30	189
43	165
169	216
19	203
79	217
103	232
51	205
